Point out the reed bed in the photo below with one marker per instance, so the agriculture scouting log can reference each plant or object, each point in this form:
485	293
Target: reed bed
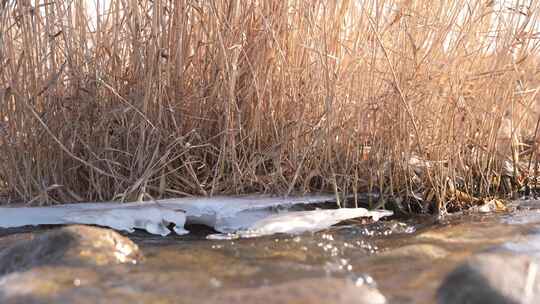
431	104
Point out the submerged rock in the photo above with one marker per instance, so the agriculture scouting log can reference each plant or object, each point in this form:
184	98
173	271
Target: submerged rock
118	285
86	285
493	278
48	284
327	290
424	251
69	245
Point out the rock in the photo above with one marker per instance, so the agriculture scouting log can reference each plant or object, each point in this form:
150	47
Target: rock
69	245
314	291
90	285
493	278
470	233
424	251
49	284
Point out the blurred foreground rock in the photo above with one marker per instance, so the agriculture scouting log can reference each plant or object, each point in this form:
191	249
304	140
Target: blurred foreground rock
62	284
495	278
327	290
71	245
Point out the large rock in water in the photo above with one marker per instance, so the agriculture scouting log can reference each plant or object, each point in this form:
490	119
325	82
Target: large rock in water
315	291
494	278
71	245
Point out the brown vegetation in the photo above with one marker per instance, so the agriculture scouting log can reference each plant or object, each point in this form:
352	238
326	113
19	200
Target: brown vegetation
424	101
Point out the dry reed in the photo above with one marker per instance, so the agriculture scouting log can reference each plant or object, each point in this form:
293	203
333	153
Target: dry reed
427	103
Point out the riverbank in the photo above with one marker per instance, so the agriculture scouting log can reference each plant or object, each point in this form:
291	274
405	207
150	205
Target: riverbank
142	100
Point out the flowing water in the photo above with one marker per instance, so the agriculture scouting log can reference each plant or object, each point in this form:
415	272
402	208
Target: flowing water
406	259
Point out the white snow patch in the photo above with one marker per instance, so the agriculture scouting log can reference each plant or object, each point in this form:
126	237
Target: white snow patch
228	215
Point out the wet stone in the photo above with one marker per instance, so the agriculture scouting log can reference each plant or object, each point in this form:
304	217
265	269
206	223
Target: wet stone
315	291
66	284
47	284
425	251
493	278
71	245
469	233
198	260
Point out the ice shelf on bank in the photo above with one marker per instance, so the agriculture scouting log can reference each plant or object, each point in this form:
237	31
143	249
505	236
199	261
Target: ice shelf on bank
126	217
298	222
225	214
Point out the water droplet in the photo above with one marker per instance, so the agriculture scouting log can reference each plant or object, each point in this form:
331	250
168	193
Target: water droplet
215	283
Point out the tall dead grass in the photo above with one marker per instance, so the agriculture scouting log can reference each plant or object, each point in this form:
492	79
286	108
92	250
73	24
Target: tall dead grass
417	100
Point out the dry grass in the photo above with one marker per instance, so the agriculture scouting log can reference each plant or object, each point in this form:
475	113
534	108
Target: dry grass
423	101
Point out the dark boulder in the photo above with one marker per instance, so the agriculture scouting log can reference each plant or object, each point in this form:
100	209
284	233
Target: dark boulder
495	278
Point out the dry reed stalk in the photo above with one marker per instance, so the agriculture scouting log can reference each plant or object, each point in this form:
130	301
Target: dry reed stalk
127	100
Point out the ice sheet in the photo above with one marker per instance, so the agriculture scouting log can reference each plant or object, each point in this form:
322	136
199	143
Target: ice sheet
153	219
224	214
301	221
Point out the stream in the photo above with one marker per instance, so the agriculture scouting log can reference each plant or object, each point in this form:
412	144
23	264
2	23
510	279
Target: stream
402	260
